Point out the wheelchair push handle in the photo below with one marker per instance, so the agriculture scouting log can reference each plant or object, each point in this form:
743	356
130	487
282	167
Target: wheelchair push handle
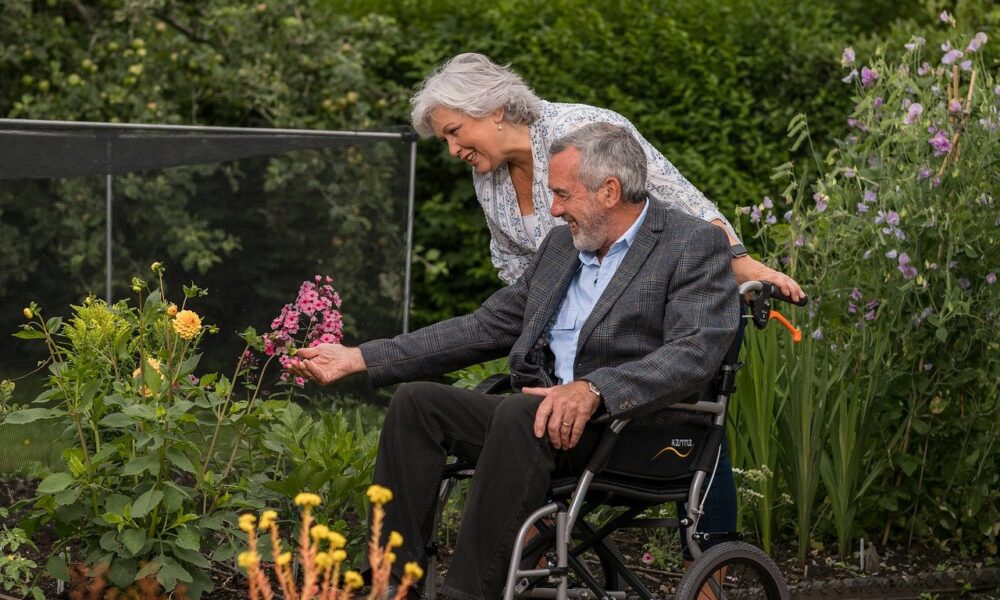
758	295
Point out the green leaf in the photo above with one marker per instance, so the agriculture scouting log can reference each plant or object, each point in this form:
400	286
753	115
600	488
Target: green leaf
140	464
67	497
133	540
56	482
30	415
189	365
122	572
189	538
181	461
145	503
117	420
57	568
30	334
941	334
149	569
140	411
192	557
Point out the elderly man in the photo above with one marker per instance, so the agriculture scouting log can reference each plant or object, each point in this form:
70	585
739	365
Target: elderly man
627	310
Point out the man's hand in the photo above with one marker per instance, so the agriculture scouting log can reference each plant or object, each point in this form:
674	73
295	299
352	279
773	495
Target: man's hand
327	363
564	412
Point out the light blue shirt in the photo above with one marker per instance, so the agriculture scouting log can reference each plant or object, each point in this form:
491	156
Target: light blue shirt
587	286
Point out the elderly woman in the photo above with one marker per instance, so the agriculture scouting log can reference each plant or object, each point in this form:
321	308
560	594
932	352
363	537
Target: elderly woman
491	119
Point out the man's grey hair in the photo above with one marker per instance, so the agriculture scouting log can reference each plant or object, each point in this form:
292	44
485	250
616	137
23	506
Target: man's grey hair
607	150
477	86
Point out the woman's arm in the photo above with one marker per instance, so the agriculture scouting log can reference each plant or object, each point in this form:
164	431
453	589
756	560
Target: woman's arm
746	268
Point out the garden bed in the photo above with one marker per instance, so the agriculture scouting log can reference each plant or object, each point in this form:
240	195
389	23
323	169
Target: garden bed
898	574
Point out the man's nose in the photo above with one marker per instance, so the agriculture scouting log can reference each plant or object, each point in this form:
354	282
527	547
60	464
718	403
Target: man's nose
556	209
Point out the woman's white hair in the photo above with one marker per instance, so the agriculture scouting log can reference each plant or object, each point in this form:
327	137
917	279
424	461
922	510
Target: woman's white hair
477	86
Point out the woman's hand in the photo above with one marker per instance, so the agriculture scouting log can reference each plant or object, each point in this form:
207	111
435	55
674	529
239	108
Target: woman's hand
746	268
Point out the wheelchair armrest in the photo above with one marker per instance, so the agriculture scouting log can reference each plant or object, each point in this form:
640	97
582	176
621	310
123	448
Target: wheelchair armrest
495	384
599	459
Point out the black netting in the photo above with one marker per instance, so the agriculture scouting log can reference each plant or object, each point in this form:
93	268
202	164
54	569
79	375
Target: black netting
248	216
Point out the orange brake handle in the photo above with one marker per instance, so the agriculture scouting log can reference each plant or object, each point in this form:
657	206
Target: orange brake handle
795	331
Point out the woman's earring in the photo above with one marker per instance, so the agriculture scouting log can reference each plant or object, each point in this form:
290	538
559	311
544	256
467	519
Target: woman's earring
499	126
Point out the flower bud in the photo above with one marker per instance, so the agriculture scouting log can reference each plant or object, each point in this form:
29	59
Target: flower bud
171	310
28	313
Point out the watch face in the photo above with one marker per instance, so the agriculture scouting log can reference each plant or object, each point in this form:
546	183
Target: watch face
738	250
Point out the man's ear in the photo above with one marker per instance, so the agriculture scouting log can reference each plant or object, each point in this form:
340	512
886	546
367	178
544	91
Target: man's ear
610	193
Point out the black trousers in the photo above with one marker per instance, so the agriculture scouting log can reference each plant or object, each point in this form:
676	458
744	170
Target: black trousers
426	423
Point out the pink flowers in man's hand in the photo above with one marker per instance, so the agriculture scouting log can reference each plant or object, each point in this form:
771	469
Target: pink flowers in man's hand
313	319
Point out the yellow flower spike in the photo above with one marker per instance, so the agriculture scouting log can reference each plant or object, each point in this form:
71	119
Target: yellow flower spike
172	310
379	495
267	519
307	500
395	539
247	522
413	570
319	532
283	559
338	556
248	559
28	313
336	540
353	580
390	557
187	324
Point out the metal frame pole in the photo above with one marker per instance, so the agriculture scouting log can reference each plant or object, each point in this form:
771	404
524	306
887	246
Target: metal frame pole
411	193
108	223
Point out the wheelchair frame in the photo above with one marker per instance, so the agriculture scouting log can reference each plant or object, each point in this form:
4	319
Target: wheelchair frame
566	518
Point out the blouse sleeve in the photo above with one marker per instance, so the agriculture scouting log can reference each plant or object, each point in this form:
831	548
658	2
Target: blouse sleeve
663	181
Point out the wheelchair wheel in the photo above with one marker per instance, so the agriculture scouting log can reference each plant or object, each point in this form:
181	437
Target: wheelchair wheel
733	570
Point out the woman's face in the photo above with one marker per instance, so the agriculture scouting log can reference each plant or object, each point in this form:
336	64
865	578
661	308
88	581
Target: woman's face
476	141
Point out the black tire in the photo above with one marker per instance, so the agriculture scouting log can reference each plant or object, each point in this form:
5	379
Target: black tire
750	573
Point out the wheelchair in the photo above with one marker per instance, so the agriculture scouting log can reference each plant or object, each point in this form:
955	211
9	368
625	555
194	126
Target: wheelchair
548	559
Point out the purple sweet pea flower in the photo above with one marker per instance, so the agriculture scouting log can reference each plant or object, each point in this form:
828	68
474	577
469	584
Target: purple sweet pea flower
850	76
976	42
870	315
868	77
936	182
924	314
817	334
913	113
991	278
800	241
928	366
821	200
755	215
964	283
908	270
878	102
847	58
870	196
899	234
788	215
965	65
940	143
914	43
946	18
924	69
951	56
996	90
892	218
862	208
856	294
852	308
745	210
891	254
954	105
952	265
924	173
767	202
771	219
849	172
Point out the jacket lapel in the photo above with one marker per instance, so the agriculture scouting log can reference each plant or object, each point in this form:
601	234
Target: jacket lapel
563	274
637	254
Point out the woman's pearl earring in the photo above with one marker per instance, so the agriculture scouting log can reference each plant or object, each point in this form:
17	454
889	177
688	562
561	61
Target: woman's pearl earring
499	126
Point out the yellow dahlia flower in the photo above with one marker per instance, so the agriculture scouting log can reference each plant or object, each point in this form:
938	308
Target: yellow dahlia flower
187	324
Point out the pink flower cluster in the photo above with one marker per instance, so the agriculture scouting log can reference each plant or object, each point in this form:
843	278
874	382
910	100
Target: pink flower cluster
311	320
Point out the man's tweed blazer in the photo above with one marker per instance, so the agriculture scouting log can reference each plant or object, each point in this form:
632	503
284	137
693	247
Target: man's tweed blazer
656	336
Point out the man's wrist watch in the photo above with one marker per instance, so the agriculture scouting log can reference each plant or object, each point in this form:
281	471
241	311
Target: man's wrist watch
738	250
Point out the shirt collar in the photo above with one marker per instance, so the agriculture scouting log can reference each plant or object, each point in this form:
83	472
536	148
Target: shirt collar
624	242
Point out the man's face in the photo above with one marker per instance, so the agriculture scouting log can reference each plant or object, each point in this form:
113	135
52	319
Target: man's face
588	222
